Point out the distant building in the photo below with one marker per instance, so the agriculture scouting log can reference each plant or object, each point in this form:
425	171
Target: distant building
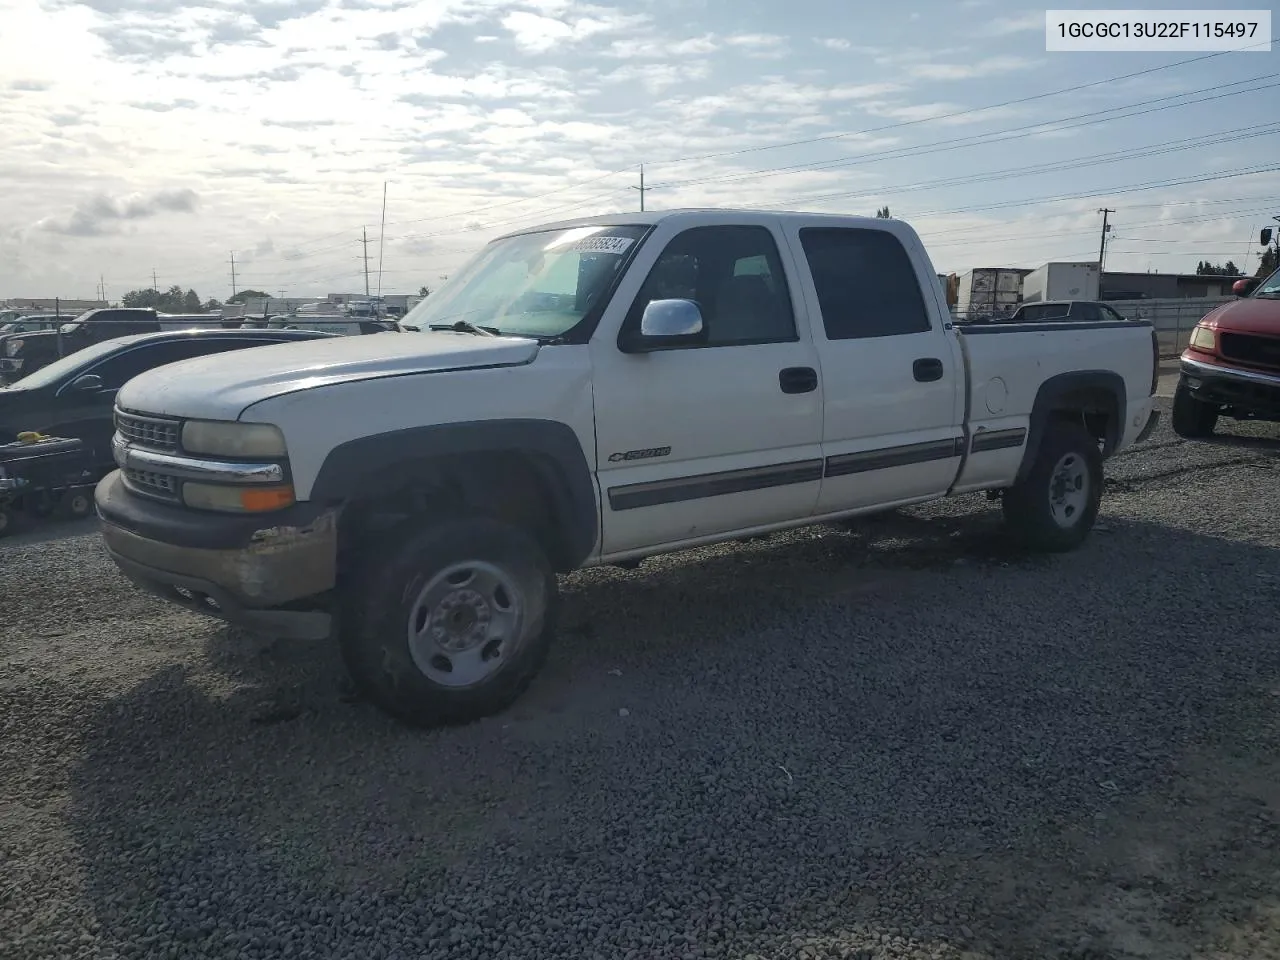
1163	286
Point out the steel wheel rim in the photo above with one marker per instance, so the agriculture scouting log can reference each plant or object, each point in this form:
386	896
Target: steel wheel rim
466	623
1069	490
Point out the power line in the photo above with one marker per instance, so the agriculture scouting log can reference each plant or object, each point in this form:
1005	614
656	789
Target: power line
961	113
984	139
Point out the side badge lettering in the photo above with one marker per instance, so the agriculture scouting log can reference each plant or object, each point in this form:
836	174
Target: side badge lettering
639	454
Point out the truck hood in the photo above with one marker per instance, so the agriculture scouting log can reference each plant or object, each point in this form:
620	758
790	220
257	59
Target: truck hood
221	386
1249	315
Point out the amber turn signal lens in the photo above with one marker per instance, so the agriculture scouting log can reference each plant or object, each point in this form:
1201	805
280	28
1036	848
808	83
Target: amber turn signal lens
266	498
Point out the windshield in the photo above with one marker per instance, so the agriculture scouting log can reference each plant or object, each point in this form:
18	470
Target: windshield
1270	287
67	365
535	285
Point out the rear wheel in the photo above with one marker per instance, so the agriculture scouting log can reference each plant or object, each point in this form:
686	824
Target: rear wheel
452	624
1193	419
1054	507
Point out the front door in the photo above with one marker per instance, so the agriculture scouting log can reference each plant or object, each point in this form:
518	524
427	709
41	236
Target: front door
723	436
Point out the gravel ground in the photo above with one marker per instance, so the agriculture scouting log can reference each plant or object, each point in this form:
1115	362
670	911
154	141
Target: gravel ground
904	741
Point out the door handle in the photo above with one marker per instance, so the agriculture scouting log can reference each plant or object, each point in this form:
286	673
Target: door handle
798	379
927	369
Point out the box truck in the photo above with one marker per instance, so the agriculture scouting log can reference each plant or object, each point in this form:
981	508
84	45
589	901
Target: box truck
1062	281
988	292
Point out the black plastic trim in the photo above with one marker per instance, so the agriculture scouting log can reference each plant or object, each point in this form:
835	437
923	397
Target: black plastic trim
184	527
989	440
657	492
868	460
361	467
1055	388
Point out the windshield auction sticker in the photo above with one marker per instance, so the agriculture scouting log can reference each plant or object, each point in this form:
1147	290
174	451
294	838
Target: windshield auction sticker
599	244
1093	31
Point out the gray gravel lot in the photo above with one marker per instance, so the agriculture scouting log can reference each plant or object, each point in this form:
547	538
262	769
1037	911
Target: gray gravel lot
905	741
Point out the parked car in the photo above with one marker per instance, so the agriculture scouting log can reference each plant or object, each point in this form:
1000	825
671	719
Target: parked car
32	322
1064	311
1231	367
73	397
597	392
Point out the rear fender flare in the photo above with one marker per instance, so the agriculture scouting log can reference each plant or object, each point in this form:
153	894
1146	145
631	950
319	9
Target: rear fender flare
1054	394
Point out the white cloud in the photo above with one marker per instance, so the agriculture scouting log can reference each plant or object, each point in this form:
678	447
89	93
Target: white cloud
102	213
535	33
985	67
833	43
1002	26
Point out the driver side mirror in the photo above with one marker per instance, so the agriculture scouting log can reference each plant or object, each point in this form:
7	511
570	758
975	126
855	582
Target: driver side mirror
1242	288
86	383
1265	237
666	324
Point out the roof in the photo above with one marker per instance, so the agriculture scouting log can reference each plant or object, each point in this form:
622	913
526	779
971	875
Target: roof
654	217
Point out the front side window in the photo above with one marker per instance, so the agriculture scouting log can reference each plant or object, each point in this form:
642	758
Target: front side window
535	284
866	284
734	275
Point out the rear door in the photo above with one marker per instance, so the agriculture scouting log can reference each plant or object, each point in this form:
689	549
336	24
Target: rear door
893	378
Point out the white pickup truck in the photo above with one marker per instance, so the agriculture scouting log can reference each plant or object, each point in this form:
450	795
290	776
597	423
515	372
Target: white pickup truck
595	392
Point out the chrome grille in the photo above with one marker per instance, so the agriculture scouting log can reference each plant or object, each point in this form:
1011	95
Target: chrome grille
152	484
151	432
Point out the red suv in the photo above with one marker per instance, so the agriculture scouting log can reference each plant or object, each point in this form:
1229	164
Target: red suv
1232	366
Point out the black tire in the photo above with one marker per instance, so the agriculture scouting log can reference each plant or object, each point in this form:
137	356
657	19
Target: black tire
1029	506
1192	419
379	603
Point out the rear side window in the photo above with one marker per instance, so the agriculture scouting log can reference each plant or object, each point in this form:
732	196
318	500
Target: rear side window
866	284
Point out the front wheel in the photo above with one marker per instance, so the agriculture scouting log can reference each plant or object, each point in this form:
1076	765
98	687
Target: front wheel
1054	507
453	624
1192	419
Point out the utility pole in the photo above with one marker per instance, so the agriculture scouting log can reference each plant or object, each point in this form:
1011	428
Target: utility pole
1102	250
641	188
102	285
233	273
155	284
364	239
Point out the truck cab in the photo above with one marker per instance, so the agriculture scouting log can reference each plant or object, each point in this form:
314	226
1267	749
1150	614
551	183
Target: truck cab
593	392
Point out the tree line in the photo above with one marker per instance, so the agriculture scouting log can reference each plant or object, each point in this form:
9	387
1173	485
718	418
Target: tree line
177	300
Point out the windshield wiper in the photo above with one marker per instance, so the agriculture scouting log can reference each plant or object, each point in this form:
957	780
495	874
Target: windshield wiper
466	326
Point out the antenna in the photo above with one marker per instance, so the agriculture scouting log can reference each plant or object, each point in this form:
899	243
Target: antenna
382	232
364	238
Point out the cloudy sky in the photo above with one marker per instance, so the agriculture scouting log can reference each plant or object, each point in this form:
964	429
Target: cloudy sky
143	135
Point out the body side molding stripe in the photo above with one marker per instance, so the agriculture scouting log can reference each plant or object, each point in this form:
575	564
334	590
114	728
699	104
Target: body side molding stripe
868	460
635	495
989	440
656	492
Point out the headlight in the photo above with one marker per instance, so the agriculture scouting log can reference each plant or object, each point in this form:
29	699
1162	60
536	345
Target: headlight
226	439
1202	338
12	347
212	496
